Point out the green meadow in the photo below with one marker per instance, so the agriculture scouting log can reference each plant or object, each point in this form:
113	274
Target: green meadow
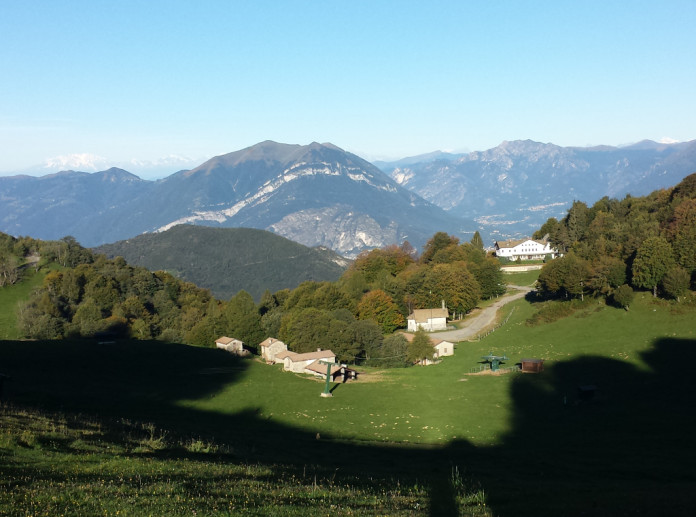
137	427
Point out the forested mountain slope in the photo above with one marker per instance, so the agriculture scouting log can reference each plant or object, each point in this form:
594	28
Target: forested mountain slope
227	260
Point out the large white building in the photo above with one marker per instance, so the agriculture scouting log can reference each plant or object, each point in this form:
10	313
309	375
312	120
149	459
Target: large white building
525	249
428	319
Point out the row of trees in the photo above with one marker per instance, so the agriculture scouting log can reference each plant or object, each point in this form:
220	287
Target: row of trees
640	242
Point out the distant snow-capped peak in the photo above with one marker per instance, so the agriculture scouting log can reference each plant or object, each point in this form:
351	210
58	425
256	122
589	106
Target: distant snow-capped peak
79	161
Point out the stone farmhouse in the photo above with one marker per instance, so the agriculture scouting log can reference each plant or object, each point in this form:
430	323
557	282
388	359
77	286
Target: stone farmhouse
442	347
428	319
270	348
525	249
274	351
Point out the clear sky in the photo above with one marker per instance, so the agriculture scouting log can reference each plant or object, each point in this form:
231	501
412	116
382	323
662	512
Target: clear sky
142	80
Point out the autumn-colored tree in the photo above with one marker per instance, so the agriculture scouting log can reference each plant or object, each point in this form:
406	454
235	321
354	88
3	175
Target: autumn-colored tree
454	284
379	307
449	254
392	259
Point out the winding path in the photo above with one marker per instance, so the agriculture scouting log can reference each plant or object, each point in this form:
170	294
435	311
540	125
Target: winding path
482	318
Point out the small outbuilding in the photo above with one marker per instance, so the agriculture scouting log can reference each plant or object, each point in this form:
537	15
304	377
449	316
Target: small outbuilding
232	345
532	365
442	348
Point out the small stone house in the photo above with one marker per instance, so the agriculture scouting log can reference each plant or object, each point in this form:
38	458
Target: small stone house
270	348
232	345
428	319
442	347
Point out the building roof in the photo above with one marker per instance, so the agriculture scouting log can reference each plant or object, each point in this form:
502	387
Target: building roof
285	353
319	354
435	342
269	341
224	340
423	315
516	242
318	367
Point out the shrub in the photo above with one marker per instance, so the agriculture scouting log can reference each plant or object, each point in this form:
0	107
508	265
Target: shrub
623	296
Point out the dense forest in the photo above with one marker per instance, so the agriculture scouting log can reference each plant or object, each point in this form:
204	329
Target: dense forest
84	294
615	246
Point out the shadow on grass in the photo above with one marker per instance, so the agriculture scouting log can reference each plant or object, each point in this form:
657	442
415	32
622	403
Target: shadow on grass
626	450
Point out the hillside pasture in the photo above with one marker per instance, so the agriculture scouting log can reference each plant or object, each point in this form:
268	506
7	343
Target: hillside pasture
440	439
11	296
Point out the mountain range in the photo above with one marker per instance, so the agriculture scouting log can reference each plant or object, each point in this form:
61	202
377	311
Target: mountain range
316	195
321	195
512	189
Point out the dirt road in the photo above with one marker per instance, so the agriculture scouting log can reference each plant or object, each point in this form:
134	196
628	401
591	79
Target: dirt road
479	319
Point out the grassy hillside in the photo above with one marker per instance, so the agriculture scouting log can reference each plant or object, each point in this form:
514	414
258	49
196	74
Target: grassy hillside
10	296
227	260
434	440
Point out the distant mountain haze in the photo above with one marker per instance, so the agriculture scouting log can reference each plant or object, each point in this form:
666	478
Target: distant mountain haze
317	195
320	195
512	189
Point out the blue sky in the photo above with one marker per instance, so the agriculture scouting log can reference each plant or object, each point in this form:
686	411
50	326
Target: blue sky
141	80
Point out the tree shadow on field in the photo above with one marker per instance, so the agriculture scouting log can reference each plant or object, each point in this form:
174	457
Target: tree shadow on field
625	451
598	436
